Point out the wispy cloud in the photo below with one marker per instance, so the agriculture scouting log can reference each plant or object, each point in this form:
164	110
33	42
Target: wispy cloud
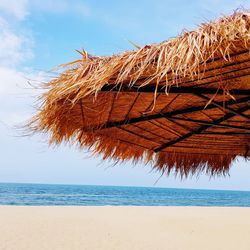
20	9
16	94
62	6
218	7
16	8
12	91
11	79
145	20
15	46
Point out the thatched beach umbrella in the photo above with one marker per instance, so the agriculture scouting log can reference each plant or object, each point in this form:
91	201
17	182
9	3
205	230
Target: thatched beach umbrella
183	104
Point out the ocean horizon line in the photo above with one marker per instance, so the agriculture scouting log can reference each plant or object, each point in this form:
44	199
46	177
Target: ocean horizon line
125	186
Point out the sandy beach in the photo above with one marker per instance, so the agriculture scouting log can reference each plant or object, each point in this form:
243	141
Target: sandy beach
124	228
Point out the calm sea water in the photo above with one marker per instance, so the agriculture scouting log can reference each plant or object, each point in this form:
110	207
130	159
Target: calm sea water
42	194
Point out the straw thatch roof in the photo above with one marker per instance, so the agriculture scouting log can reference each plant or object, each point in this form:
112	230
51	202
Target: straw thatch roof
182	105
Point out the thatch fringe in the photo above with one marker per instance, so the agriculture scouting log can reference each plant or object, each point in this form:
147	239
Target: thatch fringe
182	164
185	165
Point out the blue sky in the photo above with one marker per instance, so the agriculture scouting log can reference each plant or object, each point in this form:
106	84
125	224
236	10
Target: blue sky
38	35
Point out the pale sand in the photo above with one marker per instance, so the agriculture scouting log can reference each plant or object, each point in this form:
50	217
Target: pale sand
124	228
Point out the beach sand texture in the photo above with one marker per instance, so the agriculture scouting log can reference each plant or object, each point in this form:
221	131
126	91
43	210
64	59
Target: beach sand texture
127	228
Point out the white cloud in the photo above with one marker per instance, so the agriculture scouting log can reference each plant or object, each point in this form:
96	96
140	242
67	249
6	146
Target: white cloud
15	47
16	95
11	89
17	8
15	119
10	80
20	84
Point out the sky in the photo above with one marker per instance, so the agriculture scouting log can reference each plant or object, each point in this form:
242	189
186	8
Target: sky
38	35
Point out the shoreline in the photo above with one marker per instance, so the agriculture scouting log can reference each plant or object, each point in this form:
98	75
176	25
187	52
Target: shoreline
124	227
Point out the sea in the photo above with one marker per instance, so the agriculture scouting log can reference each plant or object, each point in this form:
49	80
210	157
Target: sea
85	195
